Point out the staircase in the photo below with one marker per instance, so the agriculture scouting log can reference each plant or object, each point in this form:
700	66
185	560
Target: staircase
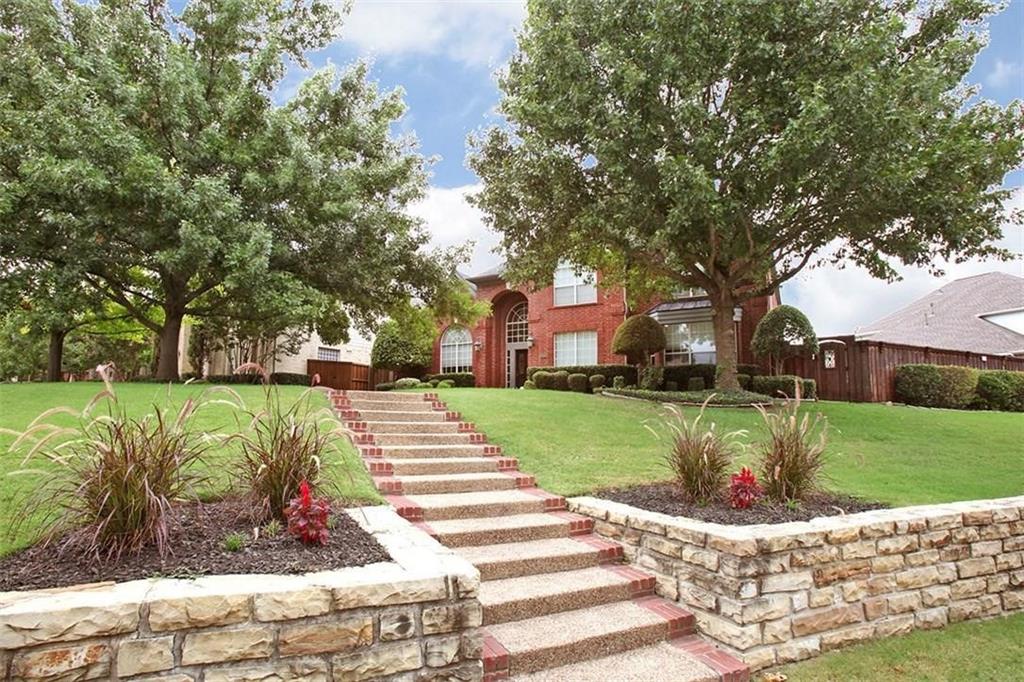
558	601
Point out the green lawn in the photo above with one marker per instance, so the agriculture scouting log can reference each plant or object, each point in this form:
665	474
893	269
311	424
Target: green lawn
21	403
992	650
575	443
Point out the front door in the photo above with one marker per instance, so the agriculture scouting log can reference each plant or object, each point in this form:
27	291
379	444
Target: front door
519	378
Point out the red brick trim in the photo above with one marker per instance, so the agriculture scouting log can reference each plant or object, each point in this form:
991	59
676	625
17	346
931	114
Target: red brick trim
350	415
641	584
508	464
425	527
496	659
439	406
578	525
680	621
729	668
363	439
356	426
492	450
466	427
379	467
452	416
372	451
430	397
388	485
522	480
606	551
405	507
552	503
477	438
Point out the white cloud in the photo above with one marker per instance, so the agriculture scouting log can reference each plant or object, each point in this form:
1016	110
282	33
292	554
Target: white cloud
1005	73
473	32
453	221
838	301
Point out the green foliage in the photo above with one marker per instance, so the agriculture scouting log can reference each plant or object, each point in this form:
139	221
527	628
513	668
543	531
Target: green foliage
671	386
746	381
784	331
701	456
234	542
406	348
638	338
792	459
784	385
460	379
751	370
560	380
597	382
529	385
543	379
578	383
609	372
936	385
619	382
724	145
291	379
710	397
445	383
681	374
651	378
695	384
1001	390
407	382
272	528
386	386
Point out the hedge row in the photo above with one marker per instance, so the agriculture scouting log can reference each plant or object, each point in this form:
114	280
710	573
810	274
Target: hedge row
680	375
458	379
282	378
784	384
960	388
609	372
734	398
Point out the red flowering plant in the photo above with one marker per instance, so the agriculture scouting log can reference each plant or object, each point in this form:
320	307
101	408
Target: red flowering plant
307	516
744	490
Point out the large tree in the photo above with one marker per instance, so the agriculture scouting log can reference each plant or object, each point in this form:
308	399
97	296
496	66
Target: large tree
728	144
145	149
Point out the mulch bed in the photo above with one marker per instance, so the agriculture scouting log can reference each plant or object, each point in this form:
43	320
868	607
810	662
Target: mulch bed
198	549
666	499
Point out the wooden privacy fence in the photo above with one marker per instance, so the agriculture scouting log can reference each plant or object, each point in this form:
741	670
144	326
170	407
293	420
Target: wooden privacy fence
347	376
863	371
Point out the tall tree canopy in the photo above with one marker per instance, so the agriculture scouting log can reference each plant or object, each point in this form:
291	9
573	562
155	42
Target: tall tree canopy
144	149
728	144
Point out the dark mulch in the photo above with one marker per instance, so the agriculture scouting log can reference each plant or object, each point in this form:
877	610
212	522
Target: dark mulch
198	549
666	499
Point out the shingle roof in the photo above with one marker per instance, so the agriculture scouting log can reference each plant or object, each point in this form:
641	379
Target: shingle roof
497	272
952	317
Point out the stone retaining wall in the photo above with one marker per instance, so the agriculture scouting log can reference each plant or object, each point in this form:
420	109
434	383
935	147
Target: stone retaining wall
778	593
414	618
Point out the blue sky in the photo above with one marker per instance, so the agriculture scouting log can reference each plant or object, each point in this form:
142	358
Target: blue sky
444	54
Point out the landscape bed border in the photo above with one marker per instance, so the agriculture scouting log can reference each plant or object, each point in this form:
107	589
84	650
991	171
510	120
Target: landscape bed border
418	613
777	593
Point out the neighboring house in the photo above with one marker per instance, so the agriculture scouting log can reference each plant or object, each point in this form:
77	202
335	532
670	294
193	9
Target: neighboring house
981	314
572	322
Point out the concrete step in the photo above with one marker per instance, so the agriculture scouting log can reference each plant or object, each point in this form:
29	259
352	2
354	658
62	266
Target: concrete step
668	661
389	427
370	416
539	595
451	465
479	506
428	438
392	405
569	637
426	451
454	483
541	556
464	532
386	396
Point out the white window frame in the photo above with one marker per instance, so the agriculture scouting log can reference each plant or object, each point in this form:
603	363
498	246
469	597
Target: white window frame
690	292
684	353
327	354
581	287
571	354
456	350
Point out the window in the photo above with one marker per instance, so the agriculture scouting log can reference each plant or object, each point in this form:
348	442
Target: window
456	350
517	328
328	354
689	292
830	359
576	348
690	343
573	289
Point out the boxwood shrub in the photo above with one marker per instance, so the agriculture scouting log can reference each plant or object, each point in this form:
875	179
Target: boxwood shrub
529	385
1000	389
560	380
542	380
652	377
597	382
681	374
695	384
386	386
578	383
609	372
783	384
936	385
291	379
734	398
460	379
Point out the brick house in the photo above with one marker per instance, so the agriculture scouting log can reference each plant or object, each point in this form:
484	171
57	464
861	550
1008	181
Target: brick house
572	322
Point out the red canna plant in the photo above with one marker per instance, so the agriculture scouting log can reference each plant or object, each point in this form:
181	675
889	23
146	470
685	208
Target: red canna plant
744	490
307	517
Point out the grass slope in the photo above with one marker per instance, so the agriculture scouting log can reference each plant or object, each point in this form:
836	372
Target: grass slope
575	443
21	403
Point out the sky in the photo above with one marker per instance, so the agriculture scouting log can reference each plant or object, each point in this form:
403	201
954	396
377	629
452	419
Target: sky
444	55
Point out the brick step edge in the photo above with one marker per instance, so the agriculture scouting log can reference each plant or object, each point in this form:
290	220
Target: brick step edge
728	667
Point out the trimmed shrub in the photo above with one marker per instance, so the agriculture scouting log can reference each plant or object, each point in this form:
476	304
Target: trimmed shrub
529	385
793	458
784	385
460	379
681	374
386	386
578	383
936	385
701	456
446	383
638	338
597	382
1001	389
752	370
671	386
695	384
543	380
252	378
291	379
560	380
782	332
746	381
713	397
407	382
651	378
619	382
609	372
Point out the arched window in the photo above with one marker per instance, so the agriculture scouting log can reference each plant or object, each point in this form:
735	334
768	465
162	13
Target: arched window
456	350
517	329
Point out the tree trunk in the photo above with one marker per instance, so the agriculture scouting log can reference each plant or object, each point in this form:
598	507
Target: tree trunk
725	342
167	363
55	360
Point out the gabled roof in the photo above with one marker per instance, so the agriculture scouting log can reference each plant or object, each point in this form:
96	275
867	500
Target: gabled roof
953	317
497	272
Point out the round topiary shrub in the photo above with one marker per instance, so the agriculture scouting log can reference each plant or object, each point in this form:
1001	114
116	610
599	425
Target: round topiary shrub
695	384
745	381
596	382
543	380
1001	389
407	382
560	380
447	383
529	385
638	338
782	332
619	382
386	386
578	383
